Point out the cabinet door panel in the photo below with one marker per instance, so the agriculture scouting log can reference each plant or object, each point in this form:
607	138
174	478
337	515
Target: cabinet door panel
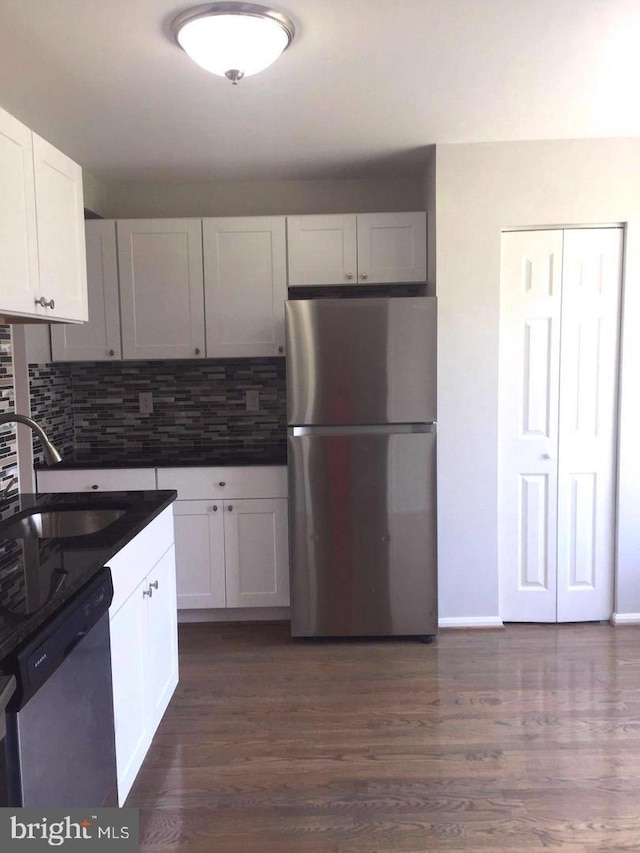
322	249
161	288
199	534
18	236
61	243
245	285
161	669
99	339
392	247
128	646
256	551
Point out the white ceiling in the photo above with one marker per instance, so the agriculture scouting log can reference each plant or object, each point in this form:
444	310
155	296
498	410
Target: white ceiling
365	86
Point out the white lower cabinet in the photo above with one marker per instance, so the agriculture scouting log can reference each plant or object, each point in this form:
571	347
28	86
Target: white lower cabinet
231	536
144	643
200	552
256	553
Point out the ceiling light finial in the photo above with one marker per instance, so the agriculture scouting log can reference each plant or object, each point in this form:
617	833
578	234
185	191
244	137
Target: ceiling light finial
233	40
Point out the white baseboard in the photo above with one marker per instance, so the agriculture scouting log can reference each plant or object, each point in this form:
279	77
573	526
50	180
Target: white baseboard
470	622
625	619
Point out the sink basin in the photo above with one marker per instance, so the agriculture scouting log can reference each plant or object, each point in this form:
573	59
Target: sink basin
59	523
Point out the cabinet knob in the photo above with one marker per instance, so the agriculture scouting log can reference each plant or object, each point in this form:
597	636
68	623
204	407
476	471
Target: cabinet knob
230	508
363	275
281	349
112	352
197	350
214	508
222	483
43	302
349	275
95	487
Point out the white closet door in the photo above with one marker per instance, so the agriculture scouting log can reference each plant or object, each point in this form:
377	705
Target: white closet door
560	296
529	370
587	436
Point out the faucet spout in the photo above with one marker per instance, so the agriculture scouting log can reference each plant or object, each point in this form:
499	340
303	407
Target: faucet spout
50	453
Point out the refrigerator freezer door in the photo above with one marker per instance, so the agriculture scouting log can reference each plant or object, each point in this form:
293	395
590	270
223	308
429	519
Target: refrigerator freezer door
362	515
361	361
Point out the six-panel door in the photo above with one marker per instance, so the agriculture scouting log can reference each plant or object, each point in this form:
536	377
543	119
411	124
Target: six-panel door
558	396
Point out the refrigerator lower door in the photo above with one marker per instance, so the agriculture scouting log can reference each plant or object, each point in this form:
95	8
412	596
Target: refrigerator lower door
362	521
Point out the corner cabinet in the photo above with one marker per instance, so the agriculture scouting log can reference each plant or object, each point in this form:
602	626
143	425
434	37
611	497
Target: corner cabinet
245	285
231	536
161	288
144	643
362	248
41	228
99	339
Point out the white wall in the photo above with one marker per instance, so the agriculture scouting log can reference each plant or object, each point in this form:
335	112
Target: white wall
258	198
482	189
95	194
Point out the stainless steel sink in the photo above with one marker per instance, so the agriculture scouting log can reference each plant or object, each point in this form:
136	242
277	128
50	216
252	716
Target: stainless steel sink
59	523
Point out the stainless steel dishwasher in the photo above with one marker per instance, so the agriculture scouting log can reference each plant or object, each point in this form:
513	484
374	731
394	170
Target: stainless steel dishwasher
60	742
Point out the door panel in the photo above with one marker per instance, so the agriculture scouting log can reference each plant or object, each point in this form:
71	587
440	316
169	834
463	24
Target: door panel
256	553
199	535
361	361
529	363
362	533
533	545
161	288
245	272
588	418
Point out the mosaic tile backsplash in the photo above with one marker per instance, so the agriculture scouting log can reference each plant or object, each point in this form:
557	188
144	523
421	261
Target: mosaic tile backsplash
8	447
95	407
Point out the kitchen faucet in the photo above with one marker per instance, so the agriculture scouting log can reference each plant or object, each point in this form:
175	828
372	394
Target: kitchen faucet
50	453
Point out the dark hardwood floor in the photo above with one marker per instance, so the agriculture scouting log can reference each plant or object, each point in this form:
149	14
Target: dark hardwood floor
526	739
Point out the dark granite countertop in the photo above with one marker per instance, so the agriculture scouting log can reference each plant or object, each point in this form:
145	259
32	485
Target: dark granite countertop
38	576
172	457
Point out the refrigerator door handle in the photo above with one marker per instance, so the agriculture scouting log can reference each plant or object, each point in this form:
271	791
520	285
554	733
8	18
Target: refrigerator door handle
364	429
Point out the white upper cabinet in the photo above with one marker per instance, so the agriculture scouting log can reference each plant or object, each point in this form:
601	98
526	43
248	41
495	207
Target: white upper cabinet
60	218
99	339
322	249
392	247
41	228
363	248
161	288
18	235
245	281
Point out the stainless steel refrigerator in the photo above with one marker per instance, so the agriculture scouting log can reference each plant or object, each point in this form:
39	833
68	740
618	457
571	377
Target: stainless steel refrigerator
361	411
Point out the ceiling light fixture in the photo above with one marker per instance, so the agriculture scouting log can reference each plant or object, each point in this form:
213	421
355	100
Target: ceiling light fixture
233	40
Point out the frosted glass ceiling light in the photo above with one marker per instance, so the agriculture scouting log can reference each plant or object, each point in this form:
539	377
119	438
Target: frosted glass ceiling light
233	40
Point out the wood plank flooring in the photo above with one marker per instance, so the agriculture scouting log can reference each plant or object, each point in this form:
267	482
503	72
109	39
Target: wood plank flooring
526	739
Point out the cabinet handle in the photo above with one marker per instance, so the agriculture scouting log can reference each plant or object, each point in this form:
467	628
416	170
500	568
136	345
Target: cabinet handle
197	350
95	486
230	508
147	592
214	508
363	275
43	302
222	483
349	275
153	584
